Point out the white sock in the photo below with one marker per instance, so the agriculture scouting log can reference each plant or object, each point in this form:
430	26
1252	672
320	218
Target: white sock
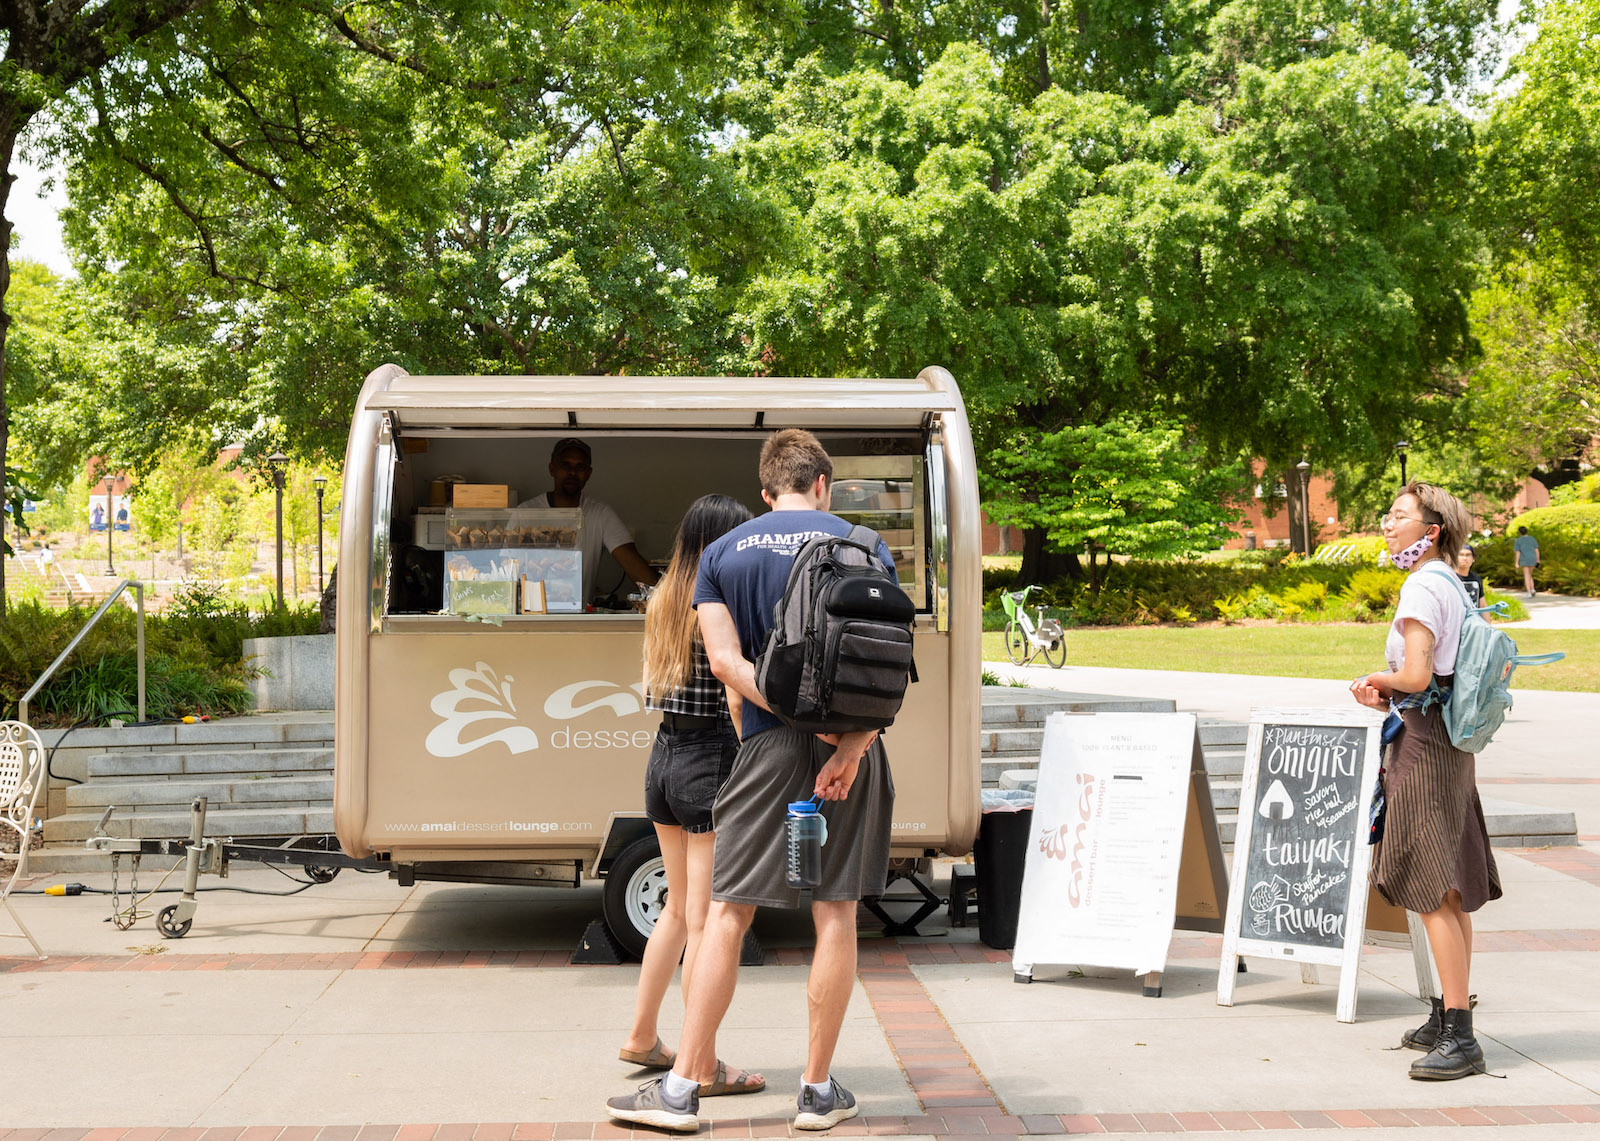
824	1088
678	1088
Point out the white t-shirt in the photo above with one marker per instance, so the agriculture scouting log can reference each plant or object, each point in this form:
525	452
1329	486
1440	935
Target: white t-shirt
1437	601
603	530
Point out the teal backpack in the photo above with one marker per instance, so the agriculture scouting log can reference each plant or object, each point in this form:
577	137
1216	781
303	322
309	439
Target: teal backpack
1485	661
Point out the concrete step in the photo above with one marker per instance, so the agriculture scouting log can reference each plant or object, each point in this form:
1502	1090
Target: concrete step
144	794
1515	825
1217	732
75	827
1006	742
217	760
1224	762
291	729
1012	707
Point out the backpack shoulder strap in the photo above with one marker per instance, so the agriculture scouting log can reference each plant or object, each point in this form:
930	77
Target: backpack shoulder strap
864	537
1538	659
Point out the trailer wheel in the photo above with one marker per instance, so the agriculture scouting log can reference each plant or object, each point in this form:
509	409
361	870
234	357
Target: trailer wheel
321	873
169	929
634	894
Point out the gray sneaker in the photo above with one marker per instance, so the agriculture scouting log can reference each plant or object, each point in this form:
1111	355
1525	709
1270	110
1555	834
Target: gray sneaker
824	1111
651	1106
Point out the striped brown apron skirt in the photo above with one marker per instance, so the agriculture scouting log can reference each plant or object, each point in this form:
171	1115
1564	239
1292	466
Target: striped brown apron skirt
1434	840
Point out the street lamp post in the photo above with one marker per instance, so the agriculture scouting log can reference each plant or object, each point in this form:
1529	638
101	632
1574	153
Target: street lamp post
276	461
322	482
1401	448
1304	469
111	525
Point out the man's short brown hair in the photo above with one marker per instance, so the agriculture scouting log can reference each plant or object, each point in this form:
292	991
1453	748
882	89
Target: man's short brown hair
791	460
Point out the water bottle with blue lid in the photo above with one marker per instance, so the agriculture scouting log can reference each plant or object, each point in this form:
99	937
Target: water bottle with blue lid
805	832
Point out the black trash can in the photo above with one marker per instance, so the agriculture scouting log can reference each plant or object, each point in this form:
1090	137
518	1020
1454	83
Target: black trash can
998	858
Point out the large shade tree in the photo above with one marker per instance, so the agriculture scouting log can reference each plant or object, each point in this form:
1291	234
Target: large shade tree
1241	217
1279	264
51	49
263	218
1534	398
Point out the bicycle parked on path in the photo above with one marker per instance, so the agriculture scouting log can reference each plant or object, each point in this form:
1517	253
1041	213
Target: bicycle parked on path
1024	638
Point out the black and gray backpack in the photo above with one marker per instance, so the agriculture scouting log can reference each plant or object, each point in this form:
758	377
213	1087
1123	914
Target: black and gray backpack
839	655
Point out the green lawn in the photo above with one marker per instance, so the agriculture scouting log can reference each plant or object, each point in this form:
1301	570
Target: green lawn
1327	651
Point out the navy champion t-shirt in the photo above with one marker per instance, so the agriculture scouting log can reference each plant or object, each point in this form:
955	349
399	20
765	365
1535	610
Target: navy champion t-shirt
747	570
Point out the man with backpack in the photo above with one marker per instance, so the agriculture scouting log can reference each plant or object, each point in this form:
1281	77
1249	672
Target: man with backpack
744	577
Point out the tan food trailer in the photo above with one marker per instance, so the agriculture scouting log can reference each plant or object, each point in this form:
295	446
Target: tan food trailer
512	748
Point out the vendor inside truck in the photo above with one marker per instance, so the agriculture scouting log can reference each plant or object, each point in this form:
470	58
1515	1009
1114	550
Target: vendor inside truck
571	465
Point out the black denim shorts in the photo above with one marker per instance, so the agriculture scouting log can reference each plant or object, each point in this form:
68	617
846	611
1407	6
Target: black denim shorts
687	769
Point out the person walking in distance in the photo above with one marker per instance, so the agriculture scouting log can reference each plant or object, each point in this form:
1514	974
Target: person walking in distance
1433	856
691	759
1527	549
742	580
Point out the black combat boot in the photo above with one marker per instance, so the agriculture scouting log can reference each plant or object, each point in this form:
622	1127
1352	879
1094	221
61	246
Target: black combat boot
1425	1036
1457	1053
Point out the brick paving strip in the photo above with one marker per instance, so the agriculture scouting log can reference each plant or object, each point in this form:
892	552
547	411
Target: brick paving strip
1579	863
938	1125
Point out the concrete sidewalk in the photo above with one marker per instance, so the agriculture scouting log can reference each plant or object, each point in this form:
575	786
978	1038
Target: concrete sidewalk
1557	612
363	1011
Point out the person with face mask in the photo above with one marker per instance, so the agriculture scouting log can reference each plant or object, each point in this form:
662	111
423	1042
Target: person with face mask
1433	855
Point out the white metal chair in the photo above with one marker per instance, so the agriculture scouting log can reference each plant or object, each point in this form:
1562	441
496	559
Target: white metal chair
22	768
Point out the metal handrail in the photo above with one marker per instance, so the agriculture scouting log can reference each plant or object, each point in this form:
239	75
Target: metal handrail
138	595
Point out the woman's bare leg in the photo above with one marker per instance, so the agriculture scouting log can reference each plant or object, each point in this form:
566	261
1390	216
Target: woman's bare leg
666	944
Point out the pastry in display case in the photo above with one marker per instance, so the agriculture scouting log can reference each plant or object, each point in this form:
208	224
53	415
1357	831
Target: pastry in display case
494	556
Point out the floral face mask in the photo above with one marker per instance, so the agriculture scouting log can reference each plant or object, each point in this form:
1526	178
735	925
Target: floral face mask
1407	558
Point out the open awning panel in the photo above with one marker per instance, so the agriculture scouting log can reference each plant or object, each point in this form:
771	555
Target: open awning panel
647	402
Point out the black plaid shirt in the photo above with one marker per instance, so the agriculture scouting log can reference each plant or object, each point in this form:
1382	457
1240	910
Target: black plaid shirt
701	696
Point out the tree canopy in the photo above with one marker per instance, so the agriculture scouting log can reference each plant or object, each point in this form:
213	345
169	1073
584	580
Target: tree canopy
1243	227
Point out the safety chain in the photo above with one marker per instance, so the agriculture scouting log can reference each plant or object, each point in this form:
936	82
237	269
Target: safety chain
124	918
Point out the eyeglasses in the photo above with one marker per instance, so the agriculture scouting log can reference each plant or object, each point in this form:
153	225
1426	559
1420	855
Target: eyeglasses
1395	518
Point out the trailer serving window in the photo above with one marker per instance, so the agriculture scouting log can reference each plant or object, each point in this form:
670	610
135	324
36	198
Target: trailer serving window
649	478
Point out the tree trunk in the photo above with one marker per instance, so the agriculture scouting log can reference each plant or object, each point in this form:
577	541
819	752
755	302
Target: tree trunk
1042	565
1044	50
10	128
1298	507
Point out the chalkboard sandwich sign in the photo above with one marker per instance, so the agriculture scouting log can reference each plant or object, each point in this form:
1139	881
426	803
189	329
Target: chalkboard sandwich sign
1299	891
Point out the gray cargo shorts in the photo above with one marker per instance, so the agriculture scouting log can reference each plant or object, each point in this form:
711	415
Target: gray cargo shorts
772	769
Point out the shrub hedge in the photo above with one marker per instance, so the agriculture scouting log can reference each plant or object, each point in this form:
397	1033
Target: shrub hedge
1569	550
193	658
1147	593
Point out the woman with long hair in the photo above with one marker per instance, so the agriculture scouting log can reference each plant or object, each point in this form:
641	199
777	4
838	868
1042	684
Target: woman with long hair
692	757
1433	856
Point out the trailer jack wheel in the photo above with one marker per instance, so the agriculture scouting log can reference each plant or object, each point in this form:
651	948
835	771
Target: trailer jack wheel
635	893
317	873
169	929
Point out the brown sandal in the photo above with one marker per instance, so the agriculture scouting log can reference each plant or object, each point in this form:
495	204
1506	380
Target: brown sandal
656	1058
720	1085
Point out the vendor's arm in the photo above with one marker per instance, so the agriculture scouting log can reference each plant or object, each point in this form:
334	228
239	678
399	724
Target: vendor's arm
630	560
1415	672
728	662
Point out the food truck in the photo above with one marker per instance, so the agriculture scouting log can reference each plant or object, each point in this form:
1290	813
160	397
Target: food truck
490	723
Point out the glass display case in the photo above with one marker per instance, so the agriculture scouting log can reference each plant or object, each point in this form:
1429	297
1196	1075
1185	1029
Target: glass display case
513	561
886	494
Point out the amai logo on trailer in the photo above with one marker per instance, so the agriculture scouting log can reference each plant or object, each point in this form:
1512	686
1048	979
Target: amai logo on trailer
478	710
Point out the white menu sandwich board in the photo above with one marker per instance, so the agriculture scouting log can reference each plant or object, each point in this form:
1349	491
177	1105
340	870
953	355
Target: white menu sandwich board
1123	836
